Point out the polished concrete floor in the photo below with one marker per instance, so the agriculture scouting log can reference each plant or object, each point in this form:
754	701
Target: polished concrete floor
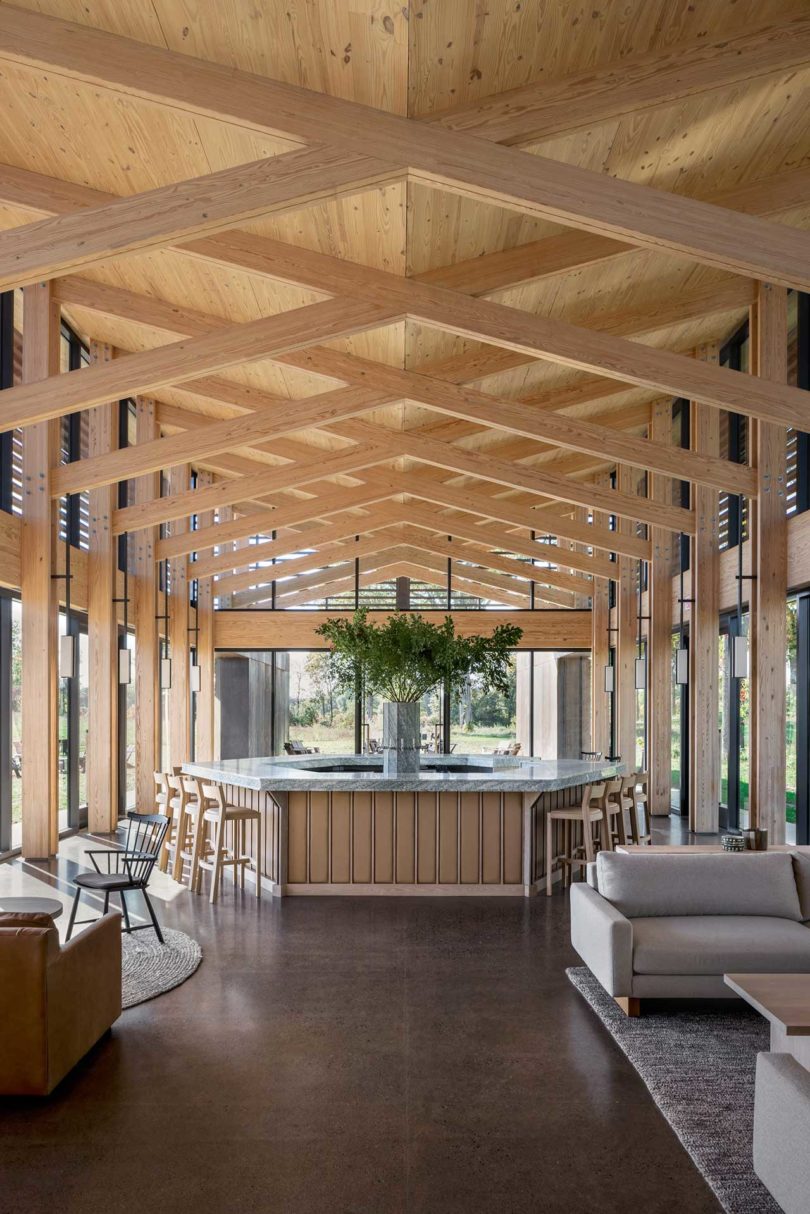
353	1055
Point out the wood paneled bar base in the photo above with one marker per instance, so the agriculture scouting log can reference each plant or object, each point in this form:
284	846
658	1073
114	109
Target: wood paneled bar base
440	832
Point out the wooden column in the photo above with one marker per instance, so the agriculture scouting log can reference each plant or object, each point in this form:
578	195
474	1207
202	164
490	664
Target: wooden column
659	631
627	622
768	593
102	623
204	708
704	704
147	636
41	448
180	693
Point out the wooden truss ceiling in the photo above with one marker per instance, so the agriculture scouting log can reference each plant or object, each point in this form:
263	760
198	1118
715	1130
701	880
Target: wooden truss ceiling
429	328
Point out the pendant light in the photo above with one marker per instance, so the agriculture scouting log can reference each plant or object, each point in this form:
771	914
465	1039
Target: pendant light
165	661
682	653
641	661
124	654
67	643
739	643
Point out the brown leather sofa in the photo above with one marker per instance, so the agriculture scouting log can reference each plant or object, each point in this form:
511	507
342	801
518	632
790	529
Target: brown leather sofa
55	1002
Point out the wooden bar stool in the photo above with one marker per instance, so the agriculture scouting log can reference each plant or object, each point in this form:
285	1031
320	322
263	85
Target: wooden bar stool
212	852
641	807
188	821
167	801
613	828
574	854
627	799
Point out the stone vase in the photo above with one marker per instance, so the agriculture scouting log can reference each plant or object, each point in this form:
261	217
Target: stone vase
401	738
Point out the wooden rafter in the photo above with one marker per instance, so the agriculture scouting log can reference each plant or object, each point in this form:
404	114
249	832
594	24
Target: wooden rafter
564	193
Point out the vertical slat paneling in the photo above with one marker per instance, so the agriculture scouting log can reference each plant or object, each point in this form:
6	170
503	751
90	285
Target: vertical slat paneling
319	837
427	859
491	838
341	836
512	837
448	837
405	810
383	836
297	837
470	841
361	841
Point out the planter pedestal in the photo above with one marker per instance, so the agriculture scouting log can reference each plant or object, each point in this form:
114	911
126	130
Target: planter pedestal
401	738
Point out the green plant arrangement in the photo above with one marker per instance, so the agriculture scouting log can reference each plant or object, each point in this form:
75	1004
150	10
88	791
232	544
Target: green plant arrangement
406	655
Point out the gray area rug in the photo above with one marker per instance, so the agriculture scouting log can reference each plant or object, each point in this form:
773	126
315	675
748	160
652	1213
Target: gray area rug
699	1067
150	968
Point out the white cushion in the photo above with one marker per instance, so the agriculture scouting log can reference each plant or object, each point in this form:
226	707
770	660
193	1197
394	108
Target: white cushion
687	883
717	944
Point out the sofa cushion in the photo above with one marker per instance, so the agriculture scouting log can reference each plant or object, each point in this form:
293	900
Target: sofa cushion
688	884
801	871
716	944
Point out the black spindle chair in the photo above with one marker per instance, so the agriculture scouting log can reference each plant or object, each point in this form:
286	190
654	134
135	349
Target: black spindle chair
119	870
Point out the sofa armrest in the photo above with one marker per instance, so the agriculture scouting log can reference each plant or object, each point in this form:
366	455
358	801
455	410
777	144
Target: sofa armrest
84	993
781	1126
603	937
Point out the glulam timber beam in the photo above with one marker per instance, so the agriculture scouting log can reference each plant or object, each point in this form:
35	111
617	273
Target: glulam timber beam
633	85
181	361
41	447
768	523
179	715
455	400
446	159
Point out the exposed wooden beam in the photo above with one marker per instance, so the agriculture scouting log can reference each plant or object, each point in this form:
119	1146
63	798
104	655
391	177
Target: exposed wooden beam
449	159
468	404
147	638
193	501
635	84
183	360
59	245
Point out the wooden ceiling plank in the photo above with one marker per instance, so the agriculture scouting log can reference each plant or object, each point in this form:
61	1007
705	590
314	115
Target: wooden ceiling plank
564	193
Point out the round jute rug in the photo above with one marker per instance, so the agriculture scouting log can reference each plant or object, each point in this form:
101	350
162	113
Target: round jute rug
150	968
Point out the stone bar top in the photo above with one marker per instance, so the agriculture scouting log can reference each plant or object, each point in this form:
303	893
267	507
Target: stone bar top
438	773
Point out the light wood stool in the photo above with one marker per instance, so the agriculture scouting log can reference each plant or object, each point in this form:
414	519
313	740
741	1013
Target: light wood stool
188	821
641	807
167	801
612	811
587	815
212	853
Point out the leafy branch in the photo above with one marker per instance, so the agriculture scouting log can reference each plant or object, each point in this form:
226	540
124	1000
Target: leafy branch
407	655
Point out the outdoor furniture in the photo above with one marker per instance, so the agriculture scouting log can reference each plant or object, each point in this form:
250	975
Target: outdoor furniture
55	1002
119	871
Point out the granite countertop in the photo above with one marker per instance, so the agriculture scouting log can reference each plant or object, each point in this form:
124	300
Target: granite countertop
485	773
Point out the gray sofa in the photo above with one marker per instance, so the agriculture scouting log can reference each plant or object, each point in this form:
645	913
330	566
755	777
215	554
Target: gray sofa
669	926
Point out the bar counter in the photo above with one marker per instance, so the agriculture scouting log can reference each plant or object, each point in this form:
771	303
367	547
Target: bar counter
464	824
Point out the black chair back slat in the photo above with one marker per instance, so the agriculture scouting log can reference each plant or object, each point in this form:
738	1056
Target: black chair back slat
145	835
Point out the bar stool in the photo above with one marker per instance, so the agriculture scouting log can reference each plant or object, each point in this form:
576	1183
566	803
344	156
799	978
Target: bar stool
612	810
587	814
167	801
627	799
188	821
641	807
212	852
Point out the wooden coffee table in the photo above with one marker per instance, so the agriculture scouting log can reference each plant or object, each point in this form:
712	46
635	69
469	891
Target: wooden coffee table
784	1001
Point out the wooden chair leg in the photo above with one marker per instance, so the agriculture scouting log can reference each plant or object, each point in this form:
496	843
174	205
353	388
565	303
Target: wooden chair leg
198	836
219	845
257	857
587	837
549	855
